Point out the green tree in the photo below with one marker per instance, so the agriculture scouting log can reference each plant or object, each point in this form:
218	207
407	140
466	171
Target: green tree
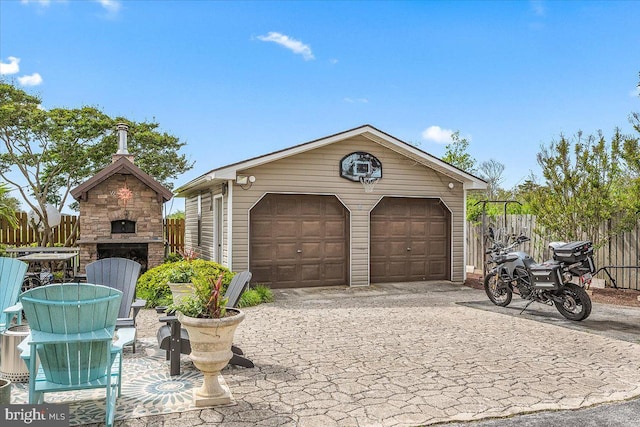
8	206
584	187
55	150
177	215
456	154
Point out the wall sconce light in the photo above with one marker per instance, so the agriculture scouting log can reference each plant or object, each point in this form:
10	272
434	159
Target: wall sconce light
451	185
225	187
245	182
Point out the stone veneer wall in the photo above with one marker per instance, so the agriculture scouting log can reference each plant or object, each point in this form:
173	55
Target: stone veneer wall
103	206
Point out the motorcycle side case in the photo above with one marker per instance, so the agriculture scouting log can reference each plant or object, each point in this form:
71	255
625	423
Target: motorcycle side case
547	275
573	251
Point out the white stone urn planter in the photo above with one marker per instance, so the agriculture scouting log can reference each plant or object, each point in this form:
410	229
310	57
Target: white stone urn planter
211	341
181	290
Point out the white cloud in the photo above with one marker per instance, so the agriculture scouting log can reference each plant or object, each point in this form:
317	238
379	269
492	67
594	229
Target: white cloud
10	67
537	6
112	6
40	2
333	61
358	100
33	80
437	134
296	46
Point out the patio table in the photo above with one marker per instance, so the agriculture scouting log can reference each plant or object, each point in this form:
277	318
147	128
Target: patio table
51	258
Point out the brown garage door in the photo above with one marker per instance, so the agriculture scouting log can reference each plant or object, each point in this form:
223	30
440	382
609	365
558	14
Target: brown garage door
299	241
410	240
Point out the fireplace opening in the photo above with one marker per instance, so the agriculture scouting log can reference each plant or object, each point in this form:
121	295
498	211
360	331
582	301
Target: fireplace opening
138	252
120	226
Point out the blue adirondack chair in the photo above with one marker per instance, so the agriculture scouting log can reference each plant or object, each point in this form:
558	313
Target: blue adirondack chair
12	272
121	274
72	328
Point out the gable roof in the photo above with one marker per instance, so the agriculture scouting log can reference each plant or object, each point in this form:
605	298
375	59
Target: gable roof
228	172
121	166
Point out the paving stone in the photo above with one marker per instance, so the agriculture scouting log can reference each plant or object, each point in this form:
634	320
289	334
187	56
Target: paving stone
347	357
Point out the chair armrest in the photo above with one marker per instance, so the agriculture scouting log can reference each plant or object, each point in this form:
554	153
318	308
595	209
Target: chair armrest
168	319
11	312
137	305
124	336
14	309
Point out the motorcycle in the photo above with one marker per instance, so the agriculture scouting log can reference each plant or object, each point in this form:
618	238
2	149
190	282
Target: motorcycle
559	281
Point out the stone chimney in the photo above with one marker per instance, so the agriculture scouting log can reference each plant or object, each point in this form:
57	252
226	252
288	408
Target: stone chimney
122	144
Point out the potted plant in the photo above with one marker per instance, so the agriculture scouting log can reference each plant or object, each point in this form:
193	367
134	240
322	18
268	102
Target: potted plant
211	326
180	275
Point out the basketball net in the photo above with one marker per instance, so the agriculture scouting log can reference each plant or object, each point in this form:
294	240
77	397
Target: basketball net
368	183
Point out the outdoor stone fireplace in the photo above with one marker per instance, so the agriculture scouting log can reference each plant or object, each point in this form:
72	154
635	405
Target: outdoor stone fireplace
121	212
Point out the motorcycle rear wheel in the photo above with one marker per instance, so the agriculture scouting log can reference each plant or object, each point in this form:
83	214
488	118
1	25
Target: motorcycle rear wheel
576	304
497	290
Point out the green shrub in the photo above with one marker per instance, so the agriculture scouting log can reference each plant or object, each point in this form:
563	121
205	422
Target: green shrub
255	296
152	285
173	257
265	292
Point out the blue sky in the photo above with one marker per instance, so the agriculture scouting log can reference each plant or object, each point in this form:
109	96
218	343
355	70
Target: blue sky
240	79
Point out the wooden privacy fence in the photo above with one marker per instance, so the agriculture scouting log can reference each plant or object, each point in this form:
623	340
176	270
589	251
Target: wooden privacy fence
622	250
174	233
24	234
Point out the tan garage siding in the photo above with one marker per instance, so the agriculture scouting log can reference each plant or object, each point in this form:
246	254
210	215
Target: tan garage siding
206	248
317	172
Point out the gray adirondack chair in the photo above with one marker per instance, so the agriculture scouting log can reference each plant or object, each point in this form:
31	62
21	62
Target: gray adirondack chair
12	273
175	340
72	328
121	274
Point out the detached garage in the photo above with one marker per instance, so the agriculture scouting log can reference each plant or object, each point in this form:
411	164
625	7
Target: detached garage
350	209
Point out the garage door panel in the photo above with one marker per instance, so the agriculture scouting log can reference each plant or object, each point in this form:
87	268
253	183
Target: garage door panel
283	224
311	251
418	248
312	207
285	251
417	210
262	252
284	228
335	229
263	228
418	229
378	230
285	207
437	269
334	250
438	229
311	229
310	273
436	247
397	248
419	224
285	272
333	272
397	228
417	269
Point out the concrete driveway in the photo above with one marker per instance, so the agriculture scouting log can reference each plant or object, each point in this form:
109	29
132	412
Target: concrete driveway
413	354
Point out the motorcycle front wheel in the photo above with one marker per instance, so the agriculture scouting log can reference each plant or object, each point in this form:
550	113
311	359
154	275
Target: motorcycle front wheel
575	304
497	290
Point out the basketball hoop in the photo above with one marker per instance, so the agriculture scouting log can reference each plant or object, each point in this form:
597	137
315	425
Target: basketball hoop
368	182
